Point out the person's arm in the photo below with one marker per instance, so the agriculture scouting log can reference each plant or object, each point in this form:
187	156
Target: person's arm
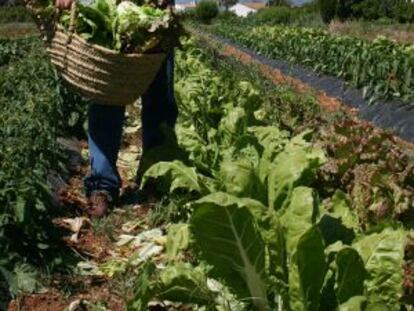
63	4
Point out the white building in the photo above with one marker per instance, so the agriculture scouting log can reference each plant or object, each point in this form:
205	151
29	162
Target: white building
179	7
244	9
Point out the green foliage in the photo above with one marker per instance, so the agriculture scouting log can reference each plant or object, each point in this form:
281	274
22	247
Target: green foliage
125	27
274	15
13	50
206	10
298	217
22	279
383	255
348	58
178	239
226	15
176	174
351	274
328	10
312	266
227	4
229	240
368	9
259	227
35	111
14	14
401	11
295	166
178	282
343	9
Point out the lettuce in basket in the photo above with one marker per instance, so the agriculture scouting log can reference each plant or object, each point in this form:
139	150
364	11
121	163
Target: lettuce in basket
126	27
95	23
139	28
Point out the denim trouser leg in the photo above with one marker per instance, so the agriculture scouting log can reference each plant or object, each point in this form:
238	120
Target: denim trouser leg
159	106
104	139
105	129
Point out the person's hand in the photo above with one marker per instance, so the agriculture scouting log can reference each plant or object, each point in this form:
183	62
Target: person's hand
64	4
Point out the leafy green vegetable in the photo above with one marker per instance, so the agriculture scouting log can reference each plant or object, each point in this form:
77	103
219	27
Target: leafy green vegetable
341	208
383	255
312	265
229	240
178	239
135	24
351	274
23	279
176	173
299	216
357	303
346	57
184	283
239	178
126	27
294	166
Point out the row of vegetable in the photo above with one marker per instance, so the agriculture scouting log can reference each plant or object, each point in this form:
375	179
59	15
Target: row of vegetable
268	217
34	111
382	68
264	229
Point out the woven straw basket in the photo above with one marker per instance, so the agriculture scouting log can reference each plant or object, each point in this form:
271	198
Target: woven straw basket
99	74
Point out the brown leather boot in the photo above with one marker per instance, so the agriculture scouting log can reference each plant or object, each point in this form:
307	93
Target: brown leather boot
99	203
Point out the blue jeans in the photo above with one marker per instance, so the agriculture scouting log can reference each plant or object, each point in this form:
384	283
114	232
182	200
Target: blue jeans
105	129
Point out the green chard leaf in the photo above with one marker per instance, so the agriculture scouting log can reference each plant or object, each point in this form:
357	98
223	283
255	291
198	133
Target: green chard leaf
185	284
294	166
299	216
296	220
178	239
356	303
176	174
351	274
312	267
229	240
383	255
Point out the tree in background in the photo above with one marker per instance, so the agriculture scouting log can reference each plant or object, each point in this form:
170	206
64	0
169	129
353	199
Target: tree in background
206	10
278	3
403	11
328	10
344	9
227	3
398	10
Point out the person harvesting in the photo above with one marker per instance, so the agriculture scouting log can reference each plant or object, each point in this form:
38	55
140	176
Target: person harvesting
159	111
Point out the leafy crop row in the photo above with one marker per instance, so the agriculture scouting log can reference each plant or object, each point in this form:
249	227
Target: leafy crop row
32	118
13	50
261	236
384	69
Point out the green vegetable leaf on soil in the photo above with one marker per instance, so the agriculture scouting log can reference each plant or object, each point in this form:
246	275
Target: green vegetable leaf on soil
229	240
176	174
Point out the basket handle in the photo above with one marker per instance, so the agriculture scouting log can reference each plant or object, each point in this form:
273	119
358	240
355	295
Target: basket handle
71	31
72	19
73	16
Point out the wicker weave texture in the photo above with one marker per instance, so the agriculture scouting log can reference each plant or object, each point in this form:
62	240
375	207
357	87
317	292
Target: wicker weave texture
100	74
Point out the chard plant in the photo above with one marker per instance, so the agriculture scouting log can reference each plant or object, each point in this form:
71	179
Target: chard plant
258	227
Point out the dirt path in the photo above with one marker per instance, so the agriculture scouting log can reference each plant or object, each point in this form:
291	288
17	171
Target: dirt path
94	242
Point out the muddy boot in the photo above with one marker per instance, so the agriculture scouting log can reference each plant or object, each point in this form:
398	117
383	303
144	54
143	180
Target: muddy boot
99	203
